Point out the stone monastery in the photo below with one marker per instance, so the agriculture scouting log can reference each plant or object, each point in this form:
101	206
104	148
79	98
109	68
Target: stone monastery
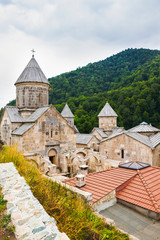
42	133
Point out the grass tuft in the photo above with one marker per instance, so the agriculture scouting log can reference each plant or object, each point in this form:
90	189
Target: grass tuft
73	215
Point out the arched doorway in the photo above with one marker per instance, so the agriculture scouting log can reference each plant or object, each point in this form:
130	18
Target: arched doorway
52	154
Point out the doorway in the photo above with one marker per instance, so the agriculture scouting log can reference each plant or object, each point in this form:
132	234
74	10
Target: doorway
52	154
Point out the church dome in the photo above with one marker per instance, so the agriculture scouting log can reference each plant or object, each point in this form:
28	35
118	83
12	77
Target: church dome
32	73
31	87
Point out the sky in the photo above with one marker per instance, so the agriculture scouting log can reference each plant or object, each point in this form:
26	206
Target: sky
67	34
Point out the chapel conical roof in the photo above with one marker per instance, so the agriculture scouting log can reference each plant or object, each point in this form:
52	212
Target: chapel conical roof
32	73
107	111
66	112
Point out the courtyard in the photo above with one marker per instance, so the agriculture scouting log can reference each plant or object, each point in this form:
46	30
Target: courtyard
133	222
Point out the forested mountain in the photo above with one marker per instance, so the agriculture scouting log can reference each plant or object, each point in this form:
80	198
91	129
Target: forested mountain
129	80
99	77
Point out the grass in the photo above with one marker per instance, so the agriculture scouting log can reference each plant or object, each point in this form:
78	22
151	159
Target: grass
6	229
73	215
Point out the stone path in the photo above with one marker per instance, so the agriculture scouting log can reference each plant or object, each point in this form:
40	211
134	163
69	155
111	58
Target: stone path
133	222
27	214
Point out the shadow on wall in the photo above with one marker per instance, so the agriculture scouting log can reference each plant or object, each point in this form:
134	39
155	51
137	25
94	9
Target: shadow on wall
2	143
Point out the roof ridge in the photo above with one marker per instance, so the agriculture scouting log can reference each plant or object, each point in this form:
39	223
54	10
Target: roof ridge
148	191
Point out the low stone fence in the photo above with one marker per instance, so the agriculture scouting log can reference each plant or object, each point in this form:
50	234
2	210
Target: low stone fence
28	216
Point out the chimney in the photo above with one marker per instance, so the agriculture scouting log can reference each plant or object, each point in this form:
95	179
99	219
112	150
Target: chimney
80	180
84	169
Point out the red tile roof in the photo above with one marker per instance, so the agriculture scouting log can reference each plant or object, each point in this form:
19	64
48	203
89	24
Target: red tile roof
104	182
139	187
143	190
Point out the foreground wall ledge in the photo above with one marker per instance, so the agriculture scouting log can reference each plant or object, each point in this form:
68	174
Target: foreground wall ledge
28	216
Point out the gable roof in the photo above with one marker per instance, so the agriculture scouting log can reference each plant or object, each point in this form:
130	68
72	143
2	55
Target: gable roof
32	73
144	127
155	140
150	141
30	121
107	111
139	137
66	112
139	187
100	131
83	138
14	115
37	114
22	129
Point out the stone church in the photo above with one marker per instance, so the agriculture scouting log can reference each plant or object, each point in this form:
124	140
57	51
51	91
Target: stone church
39	130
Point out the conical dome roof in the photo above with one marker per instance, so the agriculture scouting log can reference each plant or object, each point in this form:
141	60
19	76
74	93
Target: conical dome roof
107	111
66	112
32	73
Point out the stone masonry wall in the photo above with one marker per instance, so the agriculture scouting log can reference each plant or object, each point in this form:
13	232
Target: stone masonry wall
27	214
31	95
132	149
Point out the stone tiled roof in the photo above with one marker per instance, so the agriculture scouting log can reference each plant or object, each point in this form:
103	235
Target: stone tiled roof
22	129
83	138
66	112
32	73
116	131
100	131
139	187
139	137
155	140
107	111
151	141
37	114
76	129
144	127
14	115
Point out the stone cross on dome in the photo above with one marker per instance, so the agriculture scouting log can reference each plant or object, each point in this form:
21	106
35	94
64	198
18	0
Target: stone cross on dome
33	51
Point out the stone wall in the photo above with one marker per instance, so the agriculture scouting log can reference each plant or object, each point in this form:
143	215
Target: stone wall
27	214
110	196
95	133
50	128
93	142
107	122
124	148
31	95
156	156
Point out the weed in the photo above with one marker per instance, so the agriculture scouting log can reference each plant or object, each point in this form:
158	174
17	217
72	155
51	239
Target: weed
73	215
11	228
6	219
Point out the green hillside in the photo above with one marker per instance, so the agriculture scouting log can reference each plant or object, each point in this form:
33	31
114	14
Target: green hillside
101	76
130	81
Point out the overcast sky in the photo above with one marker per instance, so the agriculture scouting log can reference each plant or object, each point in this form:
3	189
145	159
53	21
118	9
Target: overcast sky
67	34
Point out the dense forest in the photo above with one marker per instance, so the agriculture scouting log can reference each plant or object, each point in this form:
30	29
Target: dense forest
129	81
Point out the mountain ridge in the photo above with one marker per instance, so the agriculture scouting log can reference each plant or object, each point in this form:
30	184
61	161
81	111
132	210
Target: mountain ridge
129	81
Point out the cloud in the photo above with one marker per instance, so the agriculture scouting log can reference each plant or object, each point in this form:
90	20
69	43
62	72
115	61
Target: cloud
67	34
